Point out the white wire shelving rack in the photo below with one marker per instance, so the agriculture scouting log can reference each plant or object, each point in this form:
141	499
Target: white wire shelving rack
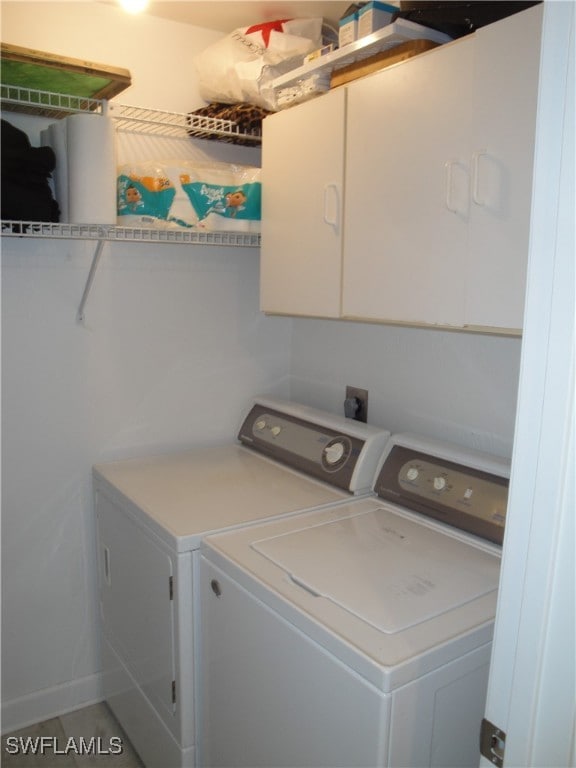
109	232
127	118
45	103
174	124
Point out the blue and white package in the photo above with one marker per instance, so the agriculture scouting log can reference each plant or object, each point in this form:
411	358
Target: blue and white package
145	195
225	197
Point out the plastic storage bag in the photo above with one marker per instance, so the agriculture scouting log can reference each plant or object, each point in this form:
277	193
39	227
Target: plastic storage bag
232	69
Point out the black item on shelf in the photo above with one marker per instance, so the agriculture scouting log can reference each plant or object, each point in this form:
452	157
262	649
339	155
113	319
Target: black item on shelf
456	18
25	170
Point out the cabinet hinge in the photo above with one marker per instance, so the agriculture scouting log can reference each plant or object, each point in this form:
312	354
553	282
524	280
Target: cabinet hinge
173	691
171	587
492	743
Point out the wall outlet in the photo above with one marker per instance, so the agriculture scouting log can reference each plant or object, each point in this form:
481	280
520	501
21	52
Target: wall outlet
356	404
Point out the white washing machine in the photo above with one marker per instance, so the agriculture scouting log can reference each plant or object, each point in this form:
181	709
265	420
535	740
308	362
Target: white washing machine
151	516
358	635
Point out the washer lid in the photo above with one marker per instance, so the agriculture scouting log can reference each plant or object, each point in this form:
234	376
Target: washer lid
387	570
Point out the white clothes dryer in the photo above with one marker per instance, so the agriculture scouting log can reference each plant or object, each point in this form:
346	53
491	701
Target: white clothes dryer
358	635
152	514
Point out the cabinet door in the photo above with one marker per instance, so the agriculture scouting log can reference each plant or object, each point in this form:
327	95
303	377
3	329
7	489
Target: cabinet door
302	188
407	189
505	89
136	608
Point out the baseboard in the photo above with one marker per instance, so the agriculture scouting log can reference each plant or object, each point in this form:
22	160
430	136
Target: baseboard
51	702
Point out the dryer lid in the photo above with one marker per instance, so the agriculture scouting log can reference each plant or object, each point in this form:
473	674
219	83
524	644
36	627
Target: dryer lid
385	569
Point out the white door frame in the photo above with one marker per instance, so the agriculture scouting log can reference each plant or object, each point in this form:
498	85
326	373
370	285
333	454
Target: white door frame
531	692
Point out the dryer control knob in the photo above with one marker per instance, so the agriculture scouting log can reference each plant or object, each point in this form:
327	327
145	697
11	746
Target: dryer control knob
276	431
439	483
334	452
260	424
412	473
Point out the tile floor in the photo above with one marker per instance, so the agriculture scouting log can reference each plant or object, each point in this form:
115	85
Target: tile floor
87	738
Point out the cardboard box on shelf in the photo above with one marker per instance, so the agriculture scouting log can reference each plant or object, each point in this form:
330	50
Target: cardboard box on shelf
347	29
374	15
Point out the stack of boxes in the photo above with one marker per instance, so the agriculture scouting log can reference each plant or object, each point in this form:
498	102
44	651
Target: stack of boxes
369	18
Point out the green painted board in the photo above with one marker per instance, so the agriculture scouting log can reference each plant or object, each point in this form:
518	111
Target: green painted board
41	71
41	78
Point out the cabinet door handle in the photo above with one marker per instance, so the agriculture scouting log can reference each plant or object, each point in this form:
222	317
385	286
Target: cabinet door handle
332	221
107	572
449	165
476	176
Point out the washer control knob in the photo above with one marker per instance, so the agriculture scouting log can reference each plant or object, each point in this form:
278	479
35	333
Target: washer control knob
334	452
439	483
260	424
412	473
276	431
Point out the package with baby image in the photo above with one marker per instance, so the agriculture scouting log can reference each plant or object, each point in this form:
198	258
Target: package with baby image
225	197
173	194
145	195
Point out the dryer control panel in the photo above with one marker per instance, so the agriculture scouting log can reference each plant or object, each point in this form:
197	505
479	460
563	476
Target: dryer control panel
339	451
465	497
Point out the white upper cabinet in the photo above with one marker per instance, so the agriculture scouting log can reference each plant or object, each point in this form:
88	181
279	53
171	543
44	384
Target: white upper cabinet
506	92
302	207
405	196
407	189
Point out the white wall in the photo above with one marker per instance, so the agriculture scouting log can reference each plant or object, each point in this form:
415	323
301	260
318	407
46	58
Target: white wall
172	348
158	53
454	386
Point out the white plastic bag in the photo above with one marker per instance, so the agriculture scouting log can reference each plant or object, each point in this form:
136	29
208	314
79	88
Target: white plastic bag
231	70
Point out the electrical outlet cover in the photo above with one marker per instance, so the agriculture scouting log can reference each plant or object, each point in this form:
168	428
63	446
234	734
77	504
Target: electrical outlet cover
362	396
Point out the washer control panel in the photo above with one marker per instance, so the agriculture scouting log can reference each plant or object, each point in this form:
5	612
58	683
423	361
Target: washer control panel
332	454
465	497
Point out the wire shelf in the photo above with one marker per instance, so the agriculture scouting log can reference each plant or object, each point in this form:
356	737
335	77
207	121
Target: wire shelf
175	124
105	232
202	127
149	121
138	119
126	117
45	103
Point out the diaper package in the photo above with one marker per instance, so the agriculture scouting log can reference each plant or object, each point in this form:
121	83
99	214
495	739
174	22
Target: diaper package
172	194
145	195
225	197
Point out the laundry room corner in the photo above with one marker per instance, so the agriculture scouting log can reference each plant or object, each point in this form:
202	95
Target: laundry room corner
200	547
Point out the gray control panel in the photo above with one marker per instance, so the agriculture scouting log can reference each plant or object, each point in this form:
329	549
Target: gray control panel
466	498
317	450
